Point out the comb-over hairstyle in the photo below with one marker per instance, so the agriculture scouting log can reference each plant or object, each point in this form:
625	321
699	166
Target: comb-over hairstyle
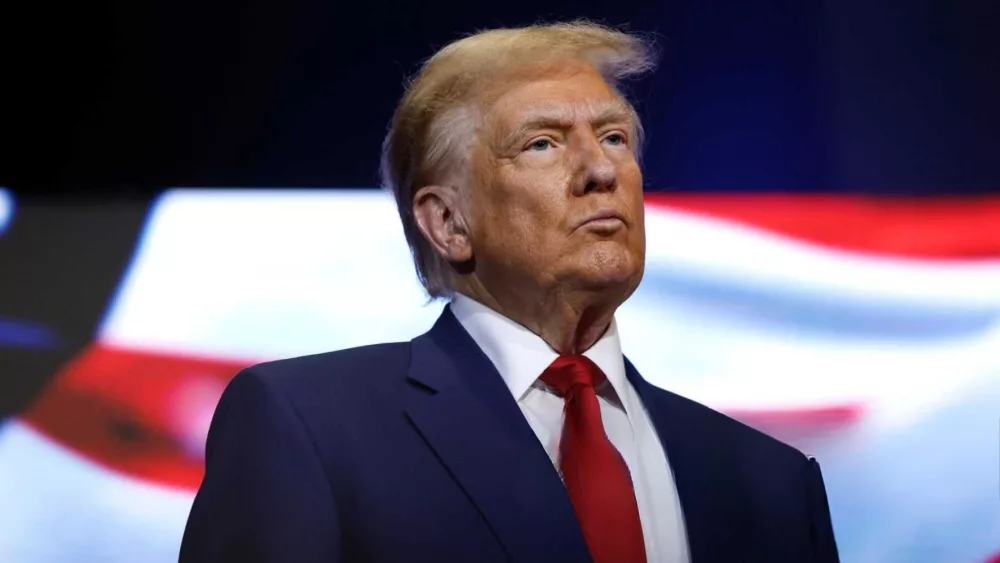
430	133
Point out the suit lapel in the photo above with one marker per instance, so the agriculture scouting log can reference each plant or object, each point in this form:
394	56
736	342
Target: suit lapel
464	411
710	500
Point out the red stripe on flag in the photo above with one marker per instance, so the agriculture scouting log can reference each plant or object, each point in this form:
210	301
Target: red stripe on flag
146	414
798	425
139	413
927	228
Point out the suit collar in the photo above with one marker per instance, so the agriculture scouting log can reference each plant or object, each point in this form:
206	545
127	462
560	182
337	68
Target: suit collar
465	412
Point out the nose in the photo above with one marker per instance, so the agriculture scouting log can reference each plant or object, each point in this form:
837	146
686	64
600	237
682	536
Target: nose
597	173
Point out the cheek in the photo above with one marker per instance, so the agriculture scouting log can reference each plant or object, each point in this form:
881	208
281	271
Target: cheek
640	214
529	202
510	224
639	233
631	184
630	177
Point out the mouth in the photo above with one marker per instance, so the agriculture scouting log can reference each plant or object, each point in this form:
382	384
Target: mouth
607	221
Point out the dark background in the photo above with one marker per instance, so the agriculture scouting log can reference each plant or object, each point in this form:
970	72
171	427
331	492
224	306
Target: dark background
105	104
120	99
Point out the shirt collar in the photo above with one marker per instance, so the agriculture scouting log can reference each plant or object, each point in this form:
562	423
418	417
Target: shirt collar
521	355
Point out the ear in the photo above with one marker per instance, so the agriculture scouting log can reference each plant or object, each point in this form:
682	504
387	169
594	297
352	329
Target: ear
440	217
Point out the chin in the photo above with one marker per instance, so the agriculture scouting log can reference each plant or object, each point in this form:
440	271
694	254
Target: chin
611	271
612	281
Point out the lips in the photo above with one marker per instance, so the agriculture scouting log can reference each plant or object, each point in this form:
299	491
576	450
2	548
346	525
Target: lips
605	219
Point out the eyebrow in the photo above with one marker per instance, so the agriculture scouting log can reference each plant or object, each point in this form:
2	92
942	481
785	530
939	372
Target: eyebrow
556	117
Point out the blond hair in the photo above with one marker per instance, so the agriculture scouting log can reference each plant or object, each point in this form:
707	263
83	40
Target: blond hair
428	139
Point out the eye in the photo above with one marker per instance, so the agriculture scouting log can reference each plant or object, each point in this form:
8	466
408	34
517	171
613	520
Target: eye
615	139
540	145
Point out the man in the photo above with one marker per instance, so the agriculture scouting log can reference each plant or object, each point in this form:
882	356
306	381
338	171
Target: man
514	430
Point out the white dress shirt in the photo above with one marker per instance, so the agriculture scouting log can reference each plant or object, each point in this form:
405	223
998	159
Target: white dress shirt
521	356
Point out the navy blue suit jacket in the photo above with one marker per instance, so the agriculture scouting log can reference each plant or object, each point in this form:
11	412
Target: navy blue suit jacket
417	451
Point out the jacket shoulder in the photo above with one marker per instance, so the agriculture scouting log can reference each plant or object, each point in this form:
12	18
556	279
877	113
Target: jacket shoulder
347	370
732	436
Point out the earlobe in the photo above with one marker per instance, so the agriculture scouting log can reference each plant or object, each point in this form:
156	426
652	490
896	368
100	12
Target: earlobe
440	219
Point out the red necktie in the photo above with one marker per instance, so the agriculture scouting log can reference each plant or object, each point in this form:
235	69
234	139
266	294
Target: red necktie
595	474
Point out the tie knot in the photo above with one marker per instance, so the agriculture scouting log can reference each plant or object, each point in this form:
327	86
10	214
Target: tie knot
567	372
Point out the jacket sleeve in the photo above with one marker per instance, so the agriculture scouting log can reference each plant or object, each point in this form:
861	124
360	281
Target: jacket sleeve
265	496
824	543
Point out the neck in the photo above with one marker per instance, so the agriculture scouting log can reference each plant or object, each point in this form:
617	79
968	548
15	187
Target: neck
569	321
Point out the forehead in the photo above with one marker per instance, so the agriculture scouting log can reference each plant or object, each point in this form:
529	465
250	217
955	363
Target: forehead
569	96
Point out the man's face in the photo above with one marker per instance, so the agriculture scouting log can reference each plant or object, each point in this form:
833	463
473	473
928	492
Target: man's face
558	201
